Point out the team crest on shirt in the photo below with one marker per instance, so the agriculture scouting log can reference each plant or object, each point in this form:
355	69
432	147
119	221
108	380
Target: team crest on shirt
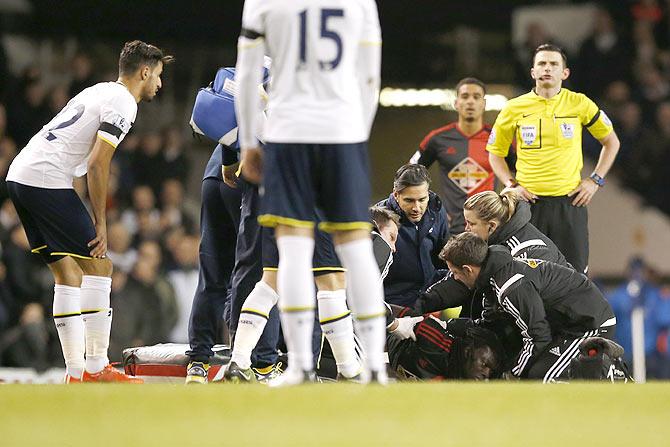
468	175
492	137
605	118
568	130
532	263
528	134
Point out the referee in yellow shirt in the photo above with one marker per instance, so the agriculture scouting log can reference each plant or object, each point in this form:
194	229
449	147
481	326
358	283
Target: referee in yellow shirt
547	124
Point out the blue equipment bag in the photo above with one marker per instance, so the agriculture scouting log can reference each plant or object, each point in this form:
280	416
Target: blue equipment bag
214	109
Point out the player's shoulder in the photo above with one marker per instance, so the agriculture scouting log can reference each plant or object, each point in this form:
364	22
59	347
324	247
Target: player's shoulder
440	130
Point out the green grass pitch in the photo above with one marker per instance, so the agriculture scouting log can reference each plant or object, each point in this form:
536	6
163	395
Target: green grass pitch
419	414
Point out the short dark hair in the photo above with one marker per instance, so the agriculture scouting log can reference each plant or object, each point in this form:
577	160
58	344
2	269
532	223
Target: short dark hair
410	175
381	216
470	80
553	48
137	53
465	249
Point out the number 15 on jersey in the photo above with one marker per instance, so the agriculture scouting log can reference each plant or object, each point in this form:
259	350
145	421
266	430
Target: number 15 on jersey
327	15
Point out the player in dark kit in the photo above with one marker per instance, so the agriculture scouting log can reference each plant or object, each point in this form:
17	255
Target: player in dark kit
460	149
438	353
554	307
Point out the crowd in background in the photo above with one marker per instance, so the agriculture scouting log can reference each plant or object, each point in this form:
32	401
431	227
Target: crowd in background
624	65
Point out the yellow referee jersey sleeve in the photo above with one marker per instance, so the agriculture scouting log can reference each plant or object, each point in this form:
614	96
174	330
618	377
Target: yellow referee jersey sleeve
595	120
502	134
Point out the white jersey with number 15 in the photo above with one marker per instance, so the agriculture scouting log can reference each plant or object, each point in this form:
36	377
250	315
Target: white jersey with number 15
317	94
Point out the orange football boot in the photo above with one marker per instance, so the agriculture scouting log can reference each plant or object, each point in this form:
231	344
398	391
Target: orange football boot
109	374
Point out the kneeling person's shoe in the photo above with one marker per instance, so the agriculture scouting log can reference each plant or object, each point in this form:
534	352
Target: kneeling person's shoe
196	373
235	374
109	374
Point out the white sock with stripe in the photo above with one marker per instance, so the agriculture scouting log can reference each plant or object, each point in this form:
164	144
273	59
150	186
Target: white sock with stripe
337	326
366	298
253	318
70	327
97	315
295	283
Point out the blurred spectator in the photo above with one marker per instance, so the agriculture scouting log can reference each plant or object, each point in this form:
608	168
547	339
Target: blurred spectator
24	275
176	209
143	212
138	319
3	121
637	144
654	88
604	57
176	163
58	99
150	154
26	344
7	153
617	94
82	73
27	112
119	251
184	281
124	161
640	289
150	252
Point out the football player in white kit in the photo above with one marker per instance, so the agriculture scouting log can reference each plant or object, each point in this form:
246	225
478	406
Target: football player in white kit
322	101
81	140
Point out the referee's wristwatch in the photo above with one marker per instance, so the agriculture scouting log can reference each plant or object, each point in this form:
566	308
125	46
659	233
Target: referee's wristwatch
598	180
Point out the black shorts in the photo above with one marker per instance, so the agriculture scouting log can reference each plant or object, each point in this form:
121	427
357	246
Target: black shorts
55	220
301	177
324	261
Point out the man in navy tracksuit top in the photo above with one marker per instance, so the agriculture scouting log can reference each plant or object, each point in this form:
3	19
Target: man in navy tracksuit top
423	232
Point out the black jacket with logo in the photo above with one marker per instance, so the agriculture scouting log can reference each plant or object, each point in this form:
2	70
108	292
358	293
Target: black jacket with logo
520	237
543	299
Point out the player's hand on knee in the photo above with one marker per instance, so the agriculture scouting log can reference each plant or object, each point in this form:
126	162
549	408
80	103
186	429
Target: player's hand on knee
252	165
583	193
99	244
229	174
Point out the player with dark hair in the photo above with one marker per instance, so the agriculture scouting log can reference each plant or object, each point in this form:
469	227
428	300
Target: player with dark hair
547	124
80	140
460	149
422	233
436	352
553	307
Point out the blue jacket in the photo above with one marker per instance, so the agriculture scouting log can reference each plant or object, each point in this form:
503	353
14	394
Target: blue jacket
416	260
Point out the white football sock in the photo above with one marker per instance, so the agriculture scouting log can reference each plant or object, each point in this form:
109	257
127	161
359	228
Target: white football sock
366	298
337	326
97	314
253	318
295	284
70	327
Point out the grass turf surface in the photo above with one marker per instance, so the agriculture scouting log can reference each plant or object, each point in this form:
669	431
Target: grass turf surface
454	414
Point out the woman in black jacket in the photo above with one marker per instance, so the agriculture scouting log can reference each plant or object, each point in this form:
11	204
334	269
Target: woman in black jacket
499	219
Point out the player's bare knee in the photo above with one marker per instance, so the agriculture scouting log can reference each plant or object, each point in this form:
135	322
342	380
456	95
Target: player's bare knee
330	281
342	237
96	267
270	278
66	272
